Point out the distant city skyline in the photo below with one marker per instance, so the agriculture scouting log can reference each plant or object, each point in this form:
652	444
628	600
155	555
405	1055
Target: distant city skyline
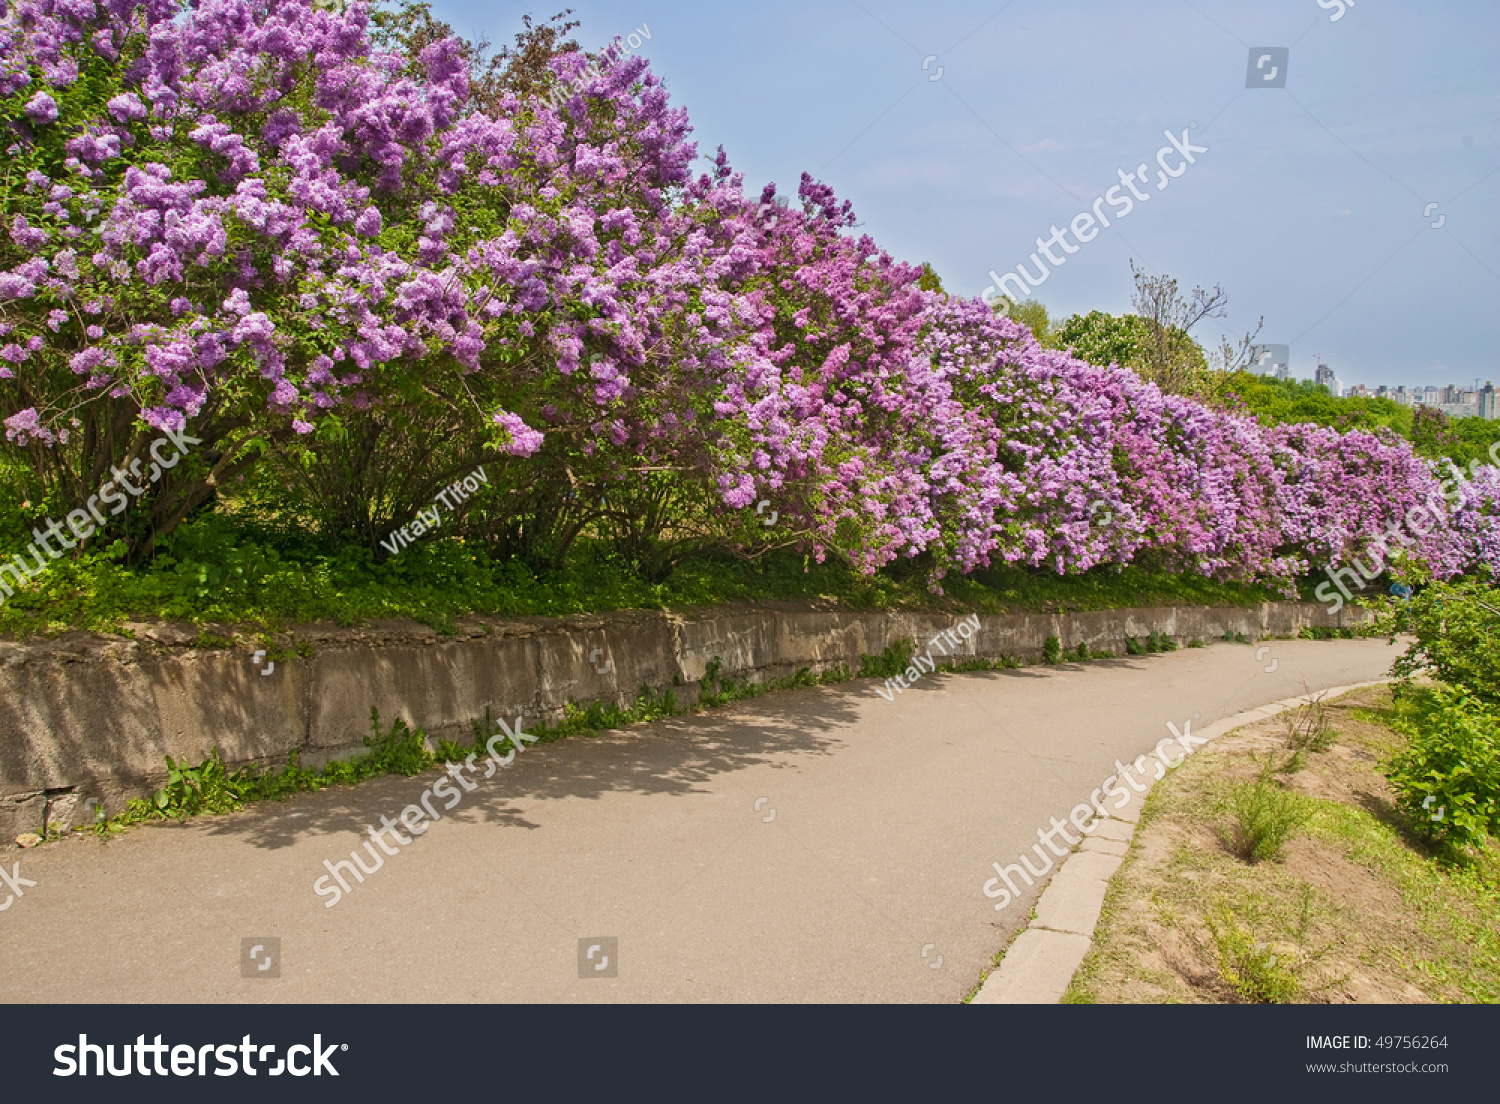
1343	376
1458	401
1350	376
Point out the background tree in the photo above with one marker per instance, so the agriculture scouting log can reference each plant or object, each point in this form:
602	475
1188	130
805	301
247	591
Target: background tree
1170	357
1031	314
929	280
1102	339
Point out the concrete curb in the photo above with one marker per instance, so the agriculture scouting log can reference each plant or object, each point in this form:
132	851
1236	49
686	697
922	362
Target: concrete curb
1039	965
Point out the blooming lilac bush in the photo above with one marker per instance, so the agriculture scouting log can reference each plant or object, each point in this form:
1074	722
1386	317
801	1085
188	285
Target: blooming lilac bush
243	216
212	223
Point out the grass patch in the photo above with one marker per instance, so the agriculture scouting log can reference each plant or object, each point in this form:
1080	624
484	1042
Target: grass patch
210	788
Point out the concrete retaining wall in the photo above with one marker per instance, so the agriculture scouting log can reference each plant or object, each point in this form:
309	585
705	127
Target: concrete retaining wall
85	716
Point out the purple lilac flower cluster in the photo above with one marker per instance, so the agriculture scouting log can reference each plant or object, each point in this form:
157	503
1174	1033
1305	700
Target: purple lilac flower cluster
240	212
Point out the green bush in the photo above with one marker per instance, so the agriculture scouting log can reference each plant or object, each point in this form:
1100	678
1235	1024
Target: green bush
1052	651
1447	778
1265	817
1458	636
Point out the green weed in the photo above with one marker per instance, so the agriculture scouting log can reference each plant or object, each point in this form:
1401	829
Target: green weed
1265	816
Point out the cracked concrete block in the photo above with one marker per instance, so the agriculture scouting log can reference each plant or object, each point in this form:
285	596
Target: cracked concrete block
1132	810
1112	829
1105	845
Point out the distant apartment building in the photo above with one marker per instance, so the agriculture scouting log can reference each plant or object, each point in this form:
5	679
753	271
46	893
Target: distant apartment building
1324	377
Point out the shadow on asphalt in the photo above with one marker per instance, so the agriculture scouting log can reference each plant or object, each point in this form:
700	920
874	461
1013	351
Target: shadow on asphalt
673	756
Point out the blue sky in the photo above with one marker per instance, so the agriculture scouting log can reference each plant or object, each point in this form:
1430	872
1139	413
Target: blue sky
1310	206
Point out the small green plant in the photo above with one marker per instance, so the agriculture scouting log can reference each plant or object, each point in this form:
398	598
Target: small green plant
1258	971
1195	643
716	690
1265	814
1052	651
206	788
1324	632
1306	726
802	677
1082	653
711	672
1160	642
893	661
1232	637
401	750
1134	646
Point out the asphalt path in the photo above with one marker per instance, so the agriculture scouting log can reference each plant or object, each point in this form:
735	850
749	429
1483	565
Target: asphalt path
815	845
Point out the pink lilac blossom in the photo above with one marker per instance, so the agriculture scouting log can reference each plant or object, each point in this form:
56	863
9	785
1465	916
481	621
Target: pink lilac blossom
646	318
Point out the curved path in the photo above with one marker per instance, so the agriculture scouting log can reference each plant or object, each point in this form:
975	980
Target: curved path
816	845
